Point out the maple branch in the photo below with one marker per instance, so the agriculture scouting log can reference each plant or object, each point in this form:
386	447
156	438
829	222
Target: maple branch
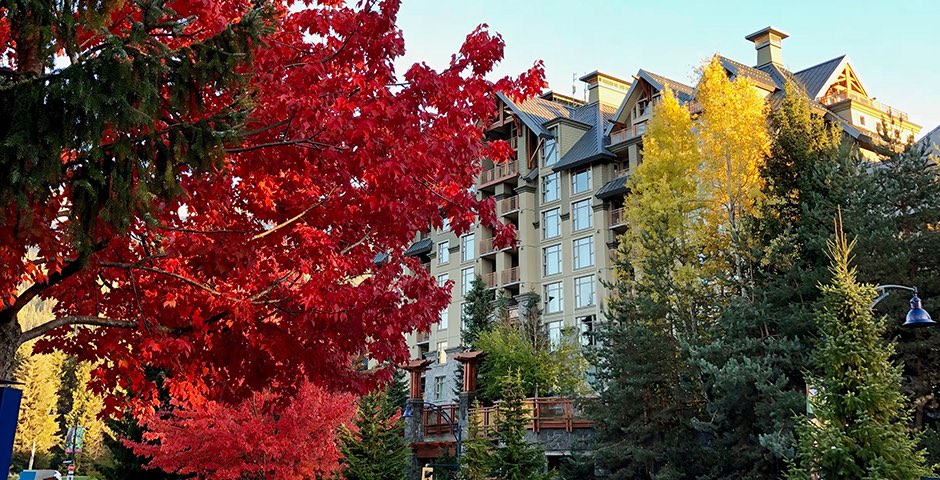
294	218
305	142
366	9
8	314
355	244
131	266
41	330
270	288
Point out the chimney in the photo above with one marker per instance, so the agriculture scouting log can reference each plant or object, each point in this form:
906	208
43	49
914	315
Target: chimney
767	42
605	88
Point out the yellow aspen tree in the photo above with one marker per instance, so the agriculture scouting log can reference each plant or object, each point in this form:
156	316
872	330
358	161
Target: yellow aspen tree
663	211
734	143
86	408
37	430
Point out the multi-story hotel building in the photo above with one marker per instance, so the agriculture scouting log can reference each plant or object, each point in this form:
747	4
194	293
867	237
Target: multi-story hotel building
566	189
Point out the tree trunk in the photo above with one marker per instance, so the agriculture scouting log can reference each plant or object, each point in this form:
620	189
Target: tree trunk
9	342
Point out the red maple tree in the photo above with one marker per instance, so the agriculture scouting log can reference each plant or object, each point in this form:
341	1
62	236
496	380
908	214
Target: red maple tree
258	438
256	269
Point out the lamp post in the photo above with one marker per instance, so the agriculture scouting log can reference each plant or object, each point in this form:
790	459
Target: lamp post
916	316
454	426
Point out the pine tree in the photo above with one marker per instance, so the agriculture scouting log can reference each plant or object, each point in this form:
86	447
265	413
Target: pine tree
123	462
515	458
374	446
478	313
476	459
860	428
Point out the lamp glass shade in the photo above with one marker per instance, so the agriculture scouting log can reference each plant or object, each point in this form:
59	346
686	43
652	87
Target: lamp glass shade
917	316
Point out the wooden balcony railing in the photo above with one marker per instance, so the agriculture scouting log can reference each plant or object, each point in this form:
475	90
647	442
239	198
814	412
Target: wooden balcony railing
843	96
544	414
621	136
617	218
509	276
487	246
489	279
437	423
508	205
621	172
499	173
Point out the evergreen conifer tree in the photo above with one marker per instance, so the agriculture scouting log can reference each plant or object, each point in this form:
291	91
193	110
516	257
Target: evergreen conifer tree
123	463
374	447
478	314
476	460
515	458
860	429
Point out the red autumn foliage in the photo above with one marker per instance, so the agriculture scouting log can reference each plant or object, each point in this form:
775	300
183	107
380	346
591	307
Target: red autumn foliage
262	274
257	438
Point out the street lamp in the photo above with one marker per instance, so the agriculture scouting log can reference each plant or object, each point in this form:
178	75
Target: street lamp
454	426
916	316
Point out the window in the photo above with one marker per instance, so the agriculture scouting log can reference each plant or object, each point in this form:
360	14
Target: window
581	215
549	152
466	280
583	252
442	352
584	291
463	316
551	260
438	388
443	252
551	223
553	297
586	330
581	181
446	226
550	188
442	279
554	334
442	320
467	252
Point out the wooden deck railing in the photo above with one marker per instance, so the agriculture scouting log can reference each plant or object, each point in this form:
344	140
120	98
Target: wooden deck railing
617	218
509	276
489	279
436	423
487	246
544	414
508	205
627	133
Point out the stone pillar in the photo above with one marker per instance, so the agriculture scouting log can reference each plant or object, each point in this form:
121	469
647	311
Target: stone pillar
414	422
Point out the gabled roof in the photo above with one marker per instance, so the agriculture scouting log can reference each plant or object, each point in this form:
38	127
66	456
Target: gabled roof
592	145
932	141
682	91
817	79
536	111
738	69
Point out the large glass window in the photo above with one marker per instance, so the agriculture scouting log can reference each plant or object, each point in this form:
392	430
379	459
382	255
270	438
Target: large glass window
586	329
554	334
466	280
583	252
439	387
551	260
442	321
553	297
581	215
551	223
550	191
584	291
442	279
443	252
549	152
467	248
581	181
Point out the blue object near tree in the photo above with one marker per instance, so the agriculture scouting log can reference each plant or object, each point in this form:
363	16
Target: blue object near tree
9	415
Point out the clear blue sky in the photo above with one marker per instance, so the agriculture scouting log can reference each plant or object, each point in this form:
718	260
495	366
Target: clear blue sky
894	45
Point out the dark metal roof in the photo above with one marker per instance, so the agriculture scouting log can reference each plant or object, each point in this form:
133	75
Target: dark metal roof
421	247
613	188
816	78
682	91
380	258
738	69
593	144
536	111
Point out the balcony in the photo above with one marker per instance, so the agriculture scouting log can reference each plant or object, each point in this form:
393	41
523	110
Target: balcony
508	205
545	414
500	173
489	279
509	276
840	97
422	338
436	423
488	246
426	267
628	133
620	172
616	218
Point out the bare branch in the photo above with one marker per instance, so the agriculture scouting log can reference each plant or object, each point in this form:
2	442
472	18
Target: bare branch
132	266
295	217
41	330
